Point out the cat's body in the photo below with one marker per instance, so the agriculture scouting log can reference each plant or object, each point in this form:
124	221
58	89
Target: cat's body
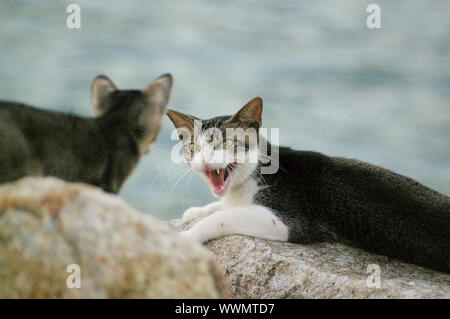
313	197
323	198
101	151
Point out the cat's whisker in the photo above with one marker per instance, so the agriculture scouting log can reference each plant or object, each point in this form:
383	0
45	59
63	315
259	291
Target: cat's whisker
165	167
181	175
259	178
172	174
188	172
187	185
235	171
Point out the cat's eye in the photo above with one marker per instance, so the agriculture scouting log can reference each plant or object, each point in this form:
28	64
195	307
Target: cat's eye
227	144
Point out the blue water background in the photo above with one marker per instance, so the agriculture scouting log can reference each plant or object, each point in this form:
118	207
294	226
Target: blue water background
328	82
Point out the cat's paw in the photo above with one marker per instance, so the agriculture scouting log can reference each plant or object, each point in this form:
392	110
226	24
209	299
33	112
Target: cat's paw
193	213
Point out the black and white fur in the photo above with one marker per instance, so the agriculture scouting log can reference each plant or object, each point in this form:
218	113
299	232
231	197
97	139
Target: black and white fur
314	197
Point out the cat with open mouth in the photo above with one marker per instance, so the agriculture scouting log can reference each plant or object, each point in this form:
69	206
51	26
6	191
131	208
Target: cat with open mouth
311	197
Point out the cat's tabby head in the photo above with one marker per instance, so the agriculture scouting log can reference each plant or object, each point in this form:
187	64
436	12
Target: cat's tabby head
140	111
224	149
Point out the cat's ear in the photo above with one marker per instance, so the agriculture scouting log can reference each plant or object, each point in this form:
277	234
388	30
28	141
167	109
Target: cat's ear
101	89
181	120
158	93
250	114
157	96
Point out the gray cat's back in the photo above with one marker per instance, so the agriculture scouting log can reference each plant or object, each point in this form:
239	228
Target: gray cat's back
36	141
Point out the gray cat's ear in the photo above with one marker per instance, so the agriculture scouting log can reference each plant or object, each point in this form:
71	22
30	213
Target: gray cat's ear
158	93
181	120
250	114
101	88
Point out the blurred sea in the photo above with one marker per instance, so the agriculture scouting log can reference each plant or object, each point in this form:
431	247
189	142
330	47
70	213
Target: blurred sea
328	82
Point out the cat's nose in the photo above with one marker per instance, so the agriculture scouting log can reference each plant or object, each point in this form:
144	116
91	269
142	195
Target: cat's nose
204	163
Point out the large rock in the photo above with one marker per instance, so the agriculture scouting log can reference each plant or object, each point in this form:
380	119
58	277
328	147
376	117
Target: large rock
47	224
258	268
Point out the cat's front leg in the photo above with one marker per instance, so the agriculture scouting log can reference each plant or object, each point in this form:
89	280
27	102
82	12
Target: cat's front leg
252	220
197	212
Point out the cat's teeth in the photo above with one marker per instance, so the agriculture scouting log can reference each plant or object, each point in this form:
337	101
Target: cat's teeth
217	170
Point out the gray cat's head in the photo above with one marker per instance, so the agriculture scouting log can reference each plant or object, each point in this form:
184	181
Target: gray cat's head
138	111
224	149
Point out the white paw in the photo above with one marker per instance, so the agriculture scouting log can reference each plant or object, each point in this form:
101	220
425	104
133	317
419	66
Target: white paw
192	214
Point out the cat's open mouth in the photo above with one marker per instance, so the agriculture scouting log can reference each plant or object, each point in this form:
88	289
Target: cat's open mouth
219	179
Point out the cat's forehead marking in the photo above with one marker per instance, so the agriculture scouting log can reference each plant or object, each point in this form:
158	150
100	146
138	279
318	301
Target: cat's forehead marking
216	122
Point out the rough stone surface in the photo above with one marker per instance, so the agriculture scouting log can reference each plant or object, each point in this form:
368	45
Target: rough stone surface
257	268
47	224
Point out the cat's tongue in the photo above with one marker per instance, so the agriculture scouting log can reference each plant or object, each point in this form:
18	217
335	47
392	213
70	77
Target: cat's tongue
216	179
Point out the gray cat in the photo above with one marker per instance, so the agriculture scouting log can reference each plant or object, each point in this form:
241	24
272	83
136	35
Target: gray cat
102	151
311	198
